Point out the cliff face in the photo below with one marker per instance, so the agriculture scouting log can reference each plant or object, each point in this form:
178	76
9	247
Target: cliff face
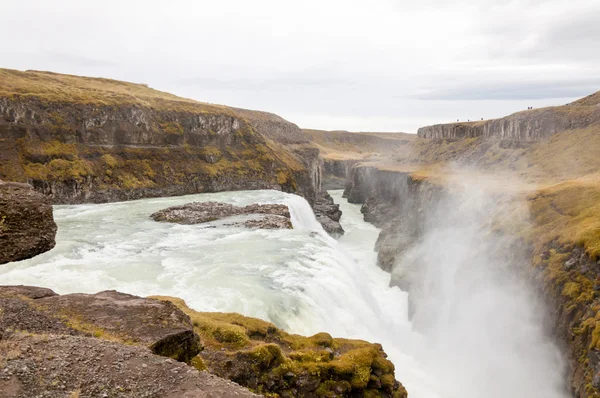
557	243
27	227
96	140
532	125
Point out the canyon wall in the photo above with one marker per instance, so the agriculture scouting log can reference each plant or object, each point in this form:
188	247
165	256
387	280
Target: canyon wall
83	140
531	125
564	273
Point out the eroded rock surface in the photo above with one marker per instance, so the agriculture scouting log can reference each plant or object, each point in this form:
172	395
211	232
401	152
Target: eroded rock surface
27	226
158	325
267	216
99	345
74	366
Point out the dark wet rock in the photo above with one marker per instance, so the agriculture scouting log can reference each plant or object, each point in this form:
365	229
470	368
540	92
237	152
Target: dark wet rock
328	214
74	366
266	216
27	226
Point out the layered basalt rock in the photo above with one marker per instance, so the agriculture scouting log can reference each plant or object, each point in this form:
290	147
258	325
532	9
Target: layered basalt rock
27	226
531	125
335	172
81	140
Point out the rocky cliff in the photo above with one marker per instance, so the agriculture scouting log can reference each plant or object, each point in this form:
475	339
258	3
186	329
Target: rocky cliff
82	140
96	140
531	125
27	227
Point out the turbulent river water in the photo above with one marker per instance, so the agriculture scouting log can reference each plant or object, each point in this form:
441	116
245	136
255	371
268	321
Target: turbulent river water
302	280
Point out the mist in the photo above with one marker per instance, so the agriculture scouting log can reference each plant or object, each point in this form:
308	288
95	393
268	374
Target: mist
471	299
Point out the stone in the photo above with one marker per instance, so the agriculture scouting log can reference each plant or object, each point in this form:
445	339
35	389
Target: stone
158	325
75	366
27	226
328	214
266	216
570	263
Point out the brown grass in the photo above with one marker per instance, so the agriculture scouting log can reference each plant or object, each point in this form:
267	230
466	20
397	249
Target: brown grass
54	87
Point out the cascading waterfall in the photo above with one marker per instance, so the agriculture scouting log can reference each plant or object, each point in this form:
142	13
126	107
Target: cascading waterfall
302	280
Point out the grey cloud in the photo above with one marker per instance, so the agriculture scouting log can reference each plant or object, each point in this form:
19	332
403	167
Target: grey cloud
514	91
77	60
262	83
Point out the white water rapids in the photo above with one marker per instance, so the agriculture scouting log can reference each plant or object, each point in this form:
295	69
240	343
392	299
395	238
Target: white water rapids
302	280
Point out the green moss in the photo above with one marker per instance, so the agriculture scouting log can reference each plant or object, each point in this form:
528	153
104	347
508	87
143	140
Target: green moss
109	161
268	359
571	290
173	128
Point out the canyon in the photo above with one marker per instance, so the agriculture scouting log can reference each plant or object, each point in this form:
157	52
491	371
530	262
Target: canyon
498	219
537	173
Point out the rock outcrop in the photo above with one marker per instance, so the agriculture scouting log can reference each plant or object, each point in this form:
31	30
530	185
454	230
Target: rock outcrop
328	214
111	315
114	344
27	226
256	354
531	125
266	216
104	344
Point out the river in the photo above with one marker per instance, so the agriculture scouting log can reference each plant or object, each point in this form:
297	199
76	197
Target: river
302	280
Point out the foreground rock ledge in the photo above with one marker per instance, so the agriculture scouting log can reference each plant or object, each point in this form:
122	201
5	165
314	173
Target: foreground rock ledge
27	227
105	345
265	216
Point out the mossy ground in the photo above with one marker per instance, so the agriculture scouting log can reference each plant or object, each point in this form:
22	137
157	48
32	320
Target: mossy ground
273	362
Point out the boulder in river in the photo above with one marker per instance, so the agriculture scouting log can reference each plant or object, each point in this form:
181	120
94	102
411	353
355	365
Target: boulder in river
265	216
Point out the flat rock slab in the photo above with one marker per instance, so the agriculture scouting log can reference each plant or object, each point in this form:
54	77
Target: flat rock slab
266	216
109	315
75	366
27	226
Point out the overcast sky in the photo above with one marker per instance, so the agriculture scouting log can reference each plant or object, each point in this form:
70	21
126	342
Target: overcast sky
379	65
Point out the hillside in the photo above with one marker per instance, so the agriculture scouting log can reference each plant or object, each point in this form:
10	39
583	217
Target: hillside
81	139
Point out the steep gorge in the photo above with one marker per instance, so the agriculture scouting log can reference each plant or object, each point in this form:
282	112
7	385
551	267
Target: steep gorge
537	180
